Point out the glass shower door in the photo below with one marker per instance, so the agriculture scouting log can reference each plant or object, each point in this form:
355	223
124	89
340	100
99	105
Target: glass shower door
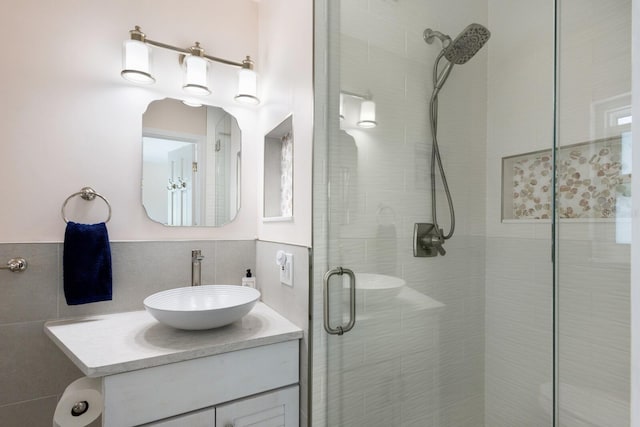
415	355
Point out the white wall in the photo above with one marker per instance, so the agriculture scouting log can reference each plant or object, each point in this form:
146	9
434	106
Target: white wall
286	69
68	119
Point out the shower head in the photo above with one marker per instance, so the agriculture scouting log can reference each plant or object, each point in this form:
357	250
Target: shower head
430	34
467	44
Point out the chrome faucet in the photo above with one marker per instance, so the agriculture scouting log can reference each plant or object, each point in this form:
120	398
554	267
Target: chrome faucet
196	267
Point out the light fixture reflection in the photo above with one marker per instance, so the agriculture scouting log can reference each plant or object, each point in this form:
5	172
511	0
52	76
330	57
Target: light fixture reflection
367	114
191	103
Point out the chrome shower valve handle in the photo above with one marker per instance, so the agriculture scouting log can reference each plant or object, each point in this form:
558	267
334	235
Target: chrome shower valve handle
434	241
428	241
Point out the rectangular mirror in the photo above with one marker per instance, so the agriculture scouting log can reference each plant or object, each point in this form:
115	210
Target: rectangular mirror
278	172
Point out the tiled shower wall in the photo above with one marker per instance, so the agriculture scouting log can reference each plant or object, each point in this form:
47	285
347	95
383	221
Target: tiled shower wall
593	266
594	257
519	272
34	371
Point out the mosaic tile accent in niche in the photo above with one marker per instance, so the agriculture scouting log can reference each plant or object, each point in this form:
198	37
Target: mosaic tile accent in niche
286	176
593	179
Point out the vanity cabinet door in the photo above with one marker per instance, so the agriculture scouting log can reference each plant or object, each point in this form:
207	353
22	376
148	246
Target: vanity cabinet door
273	409
204	418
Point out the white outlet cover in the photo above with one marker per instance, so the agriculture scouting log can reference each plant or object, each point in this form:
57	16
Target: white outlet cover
286	270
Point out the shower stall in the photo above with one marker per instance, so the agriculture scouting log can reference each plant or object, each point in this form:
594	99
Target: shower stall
522	318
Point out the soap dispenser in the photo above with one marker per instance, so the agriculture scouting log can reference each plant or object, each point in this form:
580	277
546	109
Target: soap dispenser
249	280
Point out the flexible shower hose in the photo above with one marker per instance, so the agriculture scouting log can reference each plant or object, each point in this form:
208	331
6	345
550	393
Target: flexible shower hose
438	82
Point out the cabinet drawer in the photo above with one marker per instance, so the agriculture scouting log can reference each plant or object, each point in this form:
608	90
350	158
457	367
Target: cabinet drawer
146	395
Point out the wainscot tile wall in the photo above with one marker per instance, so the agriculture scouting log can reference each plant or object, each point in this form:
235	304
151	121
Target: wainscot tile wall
290	301
34	371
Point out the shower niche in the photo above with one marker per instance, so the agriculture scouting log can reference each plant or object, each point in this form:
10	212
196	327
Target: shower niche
278	172
593	181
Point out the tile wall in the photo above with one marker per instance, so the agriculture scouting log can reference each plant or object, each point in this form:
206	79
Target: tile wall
34	371
594	257
519	332
593	263
290	301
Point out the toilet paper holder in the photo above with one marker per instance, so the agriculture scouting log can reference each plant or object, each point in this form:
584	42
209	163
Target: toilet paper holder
79	408
81	403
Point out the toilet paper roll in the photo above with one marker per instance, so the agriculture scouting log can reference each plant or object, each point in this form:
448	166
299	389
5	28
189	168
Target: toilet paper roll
80	404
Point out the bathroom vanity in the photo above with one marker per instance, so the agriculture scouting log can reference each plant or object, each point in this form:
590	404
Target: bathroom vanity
156	375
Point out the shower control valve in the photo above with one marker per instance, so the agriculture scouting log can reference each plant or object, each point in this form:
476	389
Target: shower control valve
434	241
427	240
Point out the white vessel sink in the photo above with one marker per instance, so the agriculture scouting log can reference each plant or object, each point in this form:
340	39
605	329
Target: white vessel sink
201	307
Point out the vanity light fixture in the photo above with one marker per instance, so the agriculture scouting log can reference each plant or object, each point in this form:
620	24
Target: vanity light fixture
247	83
137	67
196	72
367	118
136	60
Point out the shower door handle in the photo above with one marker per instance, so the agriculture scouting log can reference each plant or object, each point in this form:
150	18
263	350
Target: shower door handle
339	330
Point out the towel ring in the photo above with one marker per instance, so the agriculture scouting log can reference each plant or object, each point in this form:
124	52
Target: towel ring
87	193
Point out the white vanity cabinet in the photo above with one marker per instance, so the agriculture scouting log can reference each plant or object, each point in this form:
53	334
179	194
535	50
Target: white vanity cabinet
145	395
243	374
273	409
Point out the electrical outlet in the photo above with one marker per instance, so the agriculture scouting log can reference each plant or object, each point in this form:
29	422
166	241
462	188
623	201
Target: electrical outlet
286	270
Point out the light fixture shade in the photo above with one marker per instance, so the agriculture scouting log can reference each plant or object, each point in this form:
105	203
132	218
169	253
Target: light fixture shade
136	62
196	75
247	87
367	114
341	107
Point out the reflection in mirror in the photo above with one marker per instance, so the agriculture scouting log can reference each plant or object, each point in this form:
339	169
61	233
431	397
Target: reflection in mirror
278	172
191	160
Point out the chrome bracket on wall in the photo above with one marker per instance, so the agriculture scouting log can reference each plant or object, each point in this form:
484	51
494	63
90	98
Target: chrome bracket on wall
427	241
15	265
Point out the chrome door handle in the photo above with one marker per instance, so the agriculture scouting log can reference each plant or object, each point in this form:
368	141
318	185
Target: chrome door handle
339	330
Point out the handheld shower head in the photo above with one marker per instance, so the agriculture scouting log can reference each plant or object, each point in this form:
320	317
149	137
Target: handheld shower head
467	44
458	51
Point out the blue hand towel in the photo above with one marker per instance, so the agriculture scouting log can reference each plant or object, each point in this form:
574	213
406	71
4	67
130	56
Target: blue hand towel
86	263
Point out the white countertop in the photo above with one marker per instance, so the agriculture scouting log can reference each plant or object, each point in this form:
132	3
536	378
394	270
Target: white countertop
115	343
